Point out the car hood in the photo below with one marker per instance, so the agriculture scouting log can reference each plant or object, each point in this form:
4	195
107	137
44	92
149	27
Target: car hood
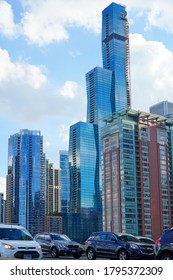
21	244
141	244
66	242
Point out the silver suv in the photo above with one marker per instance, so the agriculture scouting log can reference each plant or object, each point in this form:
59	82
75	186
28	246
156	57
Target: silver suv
17	242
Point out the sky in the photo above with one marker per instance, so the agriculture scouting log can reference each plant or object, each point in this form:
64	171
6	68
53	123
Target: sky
47	47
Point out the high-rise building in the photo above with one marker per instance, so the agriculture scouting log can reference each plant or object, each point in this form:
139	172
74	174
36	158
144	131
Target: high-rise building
53	189
85	195
163	108
115	52
2	208
108	88
137	173
108	91
25	192
65	182
99	94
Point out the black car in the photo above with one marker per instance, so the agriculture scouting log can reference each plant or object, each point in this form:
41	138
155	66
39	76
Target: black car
117	246
164	245
59	245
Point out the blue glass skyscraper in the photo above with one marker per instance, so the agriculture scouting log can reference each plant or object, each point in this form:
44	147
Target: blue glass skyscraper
26	180
85	195
115	53
99	94
108	91
65	182
108	88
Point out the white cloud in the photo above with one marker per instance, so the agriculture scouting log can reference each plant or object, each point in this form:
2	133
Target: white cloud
151	72
24	98
27	105
46	21
160	15
46	145
74	53
69	89
7	25
63	131
3	186
20	72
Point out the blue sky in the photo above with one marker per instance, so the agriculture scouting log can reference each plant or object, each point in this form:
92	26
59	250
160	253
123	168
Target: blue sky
47	47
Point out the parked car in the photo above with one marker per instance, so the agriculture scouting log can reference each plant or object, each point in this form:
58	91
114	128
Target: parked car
17	242
144	239
120	246
164	245
59	245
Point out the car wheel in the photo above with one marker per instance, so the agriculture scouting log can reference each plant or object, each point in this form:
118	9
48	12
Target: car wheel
54	252
91	255
166	256
122	255
76	257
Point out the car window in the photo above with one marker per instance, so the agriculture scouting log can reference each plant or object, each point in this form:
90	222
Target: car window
40	236
93	236
14	234
126	238
47	237
146	240
61	237
101	236
65	237
123	238
132	238
111	237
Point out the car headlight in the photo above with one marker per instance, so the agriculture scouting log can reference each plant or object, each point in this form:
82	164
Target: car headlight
63	245
39	247
8	246
134	246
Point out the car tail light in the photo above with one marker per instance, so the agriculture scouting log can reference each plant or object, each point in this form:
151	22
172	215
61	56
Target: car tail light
158	241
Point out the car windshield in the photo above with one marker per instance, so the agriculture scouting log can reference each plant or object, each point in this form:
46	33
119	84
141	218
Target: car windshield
146	240
61	237
14	234
126	238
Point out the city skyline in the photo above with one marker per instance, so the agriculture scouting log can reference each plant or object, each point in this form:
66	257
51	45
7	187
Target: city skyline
35	94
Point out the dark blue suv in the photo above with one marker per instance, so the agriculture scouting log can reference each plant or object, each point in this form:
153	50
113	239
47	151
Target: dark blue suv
120	246
59	245
164	245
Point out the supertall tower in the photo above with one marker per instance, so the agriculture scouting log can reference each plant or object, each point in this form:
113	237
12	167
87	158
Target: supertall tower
108	91
108	88
115	52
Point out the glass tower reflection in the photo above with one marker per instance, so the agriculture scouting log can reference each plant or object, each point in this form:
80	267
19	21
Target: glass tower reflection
65	182
27	179
85	196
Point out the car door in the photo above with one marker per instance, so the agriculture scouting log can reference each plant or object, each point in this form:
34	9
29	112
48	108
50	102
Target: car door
100	244
111	244
47	242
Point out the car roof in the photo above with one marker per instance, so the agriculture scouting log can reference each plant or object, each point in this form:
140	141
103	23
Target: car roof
116	233
49	233
140	236
11	226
